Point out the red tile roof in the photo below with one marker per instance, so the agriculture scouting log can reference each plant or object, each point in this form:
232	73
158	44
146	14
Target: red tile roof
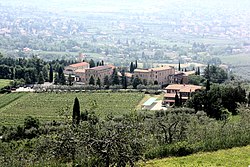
79	64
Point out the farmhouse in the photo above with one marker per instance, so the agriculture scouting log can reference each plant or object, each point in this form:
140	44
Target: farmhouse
180	77
185	91
158	75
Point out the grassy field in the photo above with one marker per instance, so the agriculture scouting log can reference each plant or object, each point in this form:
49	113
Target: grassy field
15	107
236	157
4	82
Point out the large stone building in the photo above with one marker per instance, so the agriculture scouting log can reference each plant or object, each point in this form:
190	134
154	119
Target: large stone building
77	71
158	75
185	91
98	72
73	67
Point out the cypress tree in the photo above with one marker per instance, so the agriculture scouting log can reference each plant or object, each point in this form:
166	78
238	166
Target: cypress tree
91	63
62	79
248	98
124	80
208	85
106	81
177	100
179	67
98	82
115	78
136	64
50	73
91	81
76	112
131	70
198	71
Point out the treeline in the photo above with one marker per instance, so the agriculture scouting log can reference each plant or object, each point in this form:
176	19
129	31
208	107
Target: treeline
120	141
219	101
30	71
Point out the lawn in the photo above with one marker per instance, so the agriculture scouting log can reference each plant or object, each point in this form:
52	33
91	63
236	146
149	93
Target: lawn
4	82
236	157
54	106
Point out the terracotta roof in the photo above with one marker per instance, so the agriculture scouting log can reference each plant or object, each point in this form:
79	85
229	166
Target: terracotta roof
183	88
79	64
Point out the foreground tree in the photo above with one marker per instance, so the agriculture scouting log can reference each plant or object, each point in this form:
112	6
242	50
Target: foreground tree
76	112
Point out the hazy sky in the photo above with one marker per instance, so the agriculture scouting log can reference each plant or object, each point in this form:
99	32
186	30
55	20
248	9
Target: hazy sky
140	5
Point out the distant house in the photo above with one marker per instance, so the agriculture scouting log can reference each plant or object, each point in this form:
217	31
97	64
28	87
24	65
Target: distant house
185	91
159	76
180	77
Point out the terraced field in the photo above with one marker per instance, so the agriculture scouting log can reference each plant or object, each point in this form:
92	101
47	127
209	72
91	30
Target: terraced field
15	107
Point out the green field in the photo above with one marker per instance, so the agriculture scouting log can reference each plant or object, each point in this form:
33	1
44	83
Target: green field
236	157
15	107
238	59
4	82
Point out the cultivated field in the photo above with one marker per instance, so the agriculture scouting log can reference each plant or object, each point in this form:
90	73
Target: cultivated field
236	157
15	107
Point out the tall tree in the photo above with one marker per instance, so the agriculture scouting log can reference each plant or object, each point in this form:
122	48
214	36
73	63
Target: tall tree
198	71
208	85
56	80
102	63
136	82
179	67
98	82
115	78
91	63
124	80
45	73
91	81
136	64
177	100
76	112
106	81
248	99
50	73
131	70
62	79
